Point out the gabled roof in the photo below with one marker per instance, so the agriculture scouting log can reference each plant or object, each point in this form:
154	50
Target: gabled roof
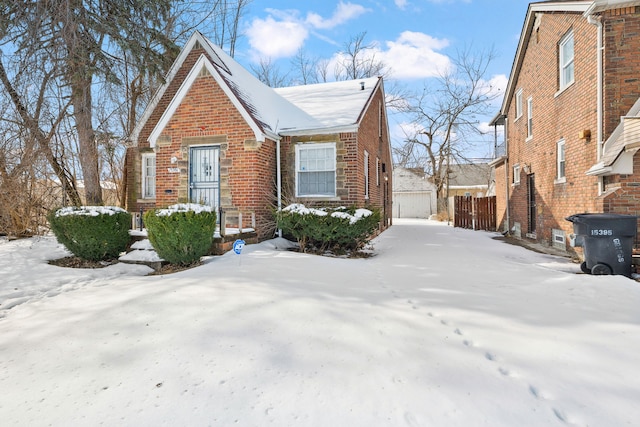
525	35
321	108
477	175
411	180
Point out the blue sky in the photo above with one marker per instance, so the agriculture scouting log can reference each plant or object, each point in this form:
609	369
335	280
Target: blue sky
414	37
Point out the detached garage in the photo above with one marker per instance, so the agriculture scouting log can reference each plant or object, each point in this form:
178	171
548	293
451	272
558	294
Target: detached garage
414	195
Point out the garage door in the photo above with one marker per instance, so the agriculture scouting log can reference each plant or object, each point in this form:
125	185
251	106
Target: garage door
412	204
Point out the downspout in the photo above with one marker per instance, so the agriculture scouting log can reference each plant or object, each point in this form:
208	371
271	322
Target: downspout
507	185
599	96
279	180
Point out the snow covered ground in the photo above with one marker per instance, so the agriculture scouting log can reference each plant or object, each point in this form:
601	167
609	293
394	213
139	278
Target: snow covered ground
443	327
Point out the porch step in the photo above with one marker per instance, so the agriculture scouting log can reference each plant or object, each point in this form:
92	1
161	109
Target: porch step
142	253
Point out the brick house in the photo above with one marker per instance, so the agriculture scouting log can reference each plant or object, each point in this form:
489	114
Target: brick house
215	134
566	149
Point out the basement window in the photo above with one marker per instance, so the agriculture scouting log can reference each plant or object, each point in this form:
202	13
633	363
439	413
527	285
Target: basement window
558	239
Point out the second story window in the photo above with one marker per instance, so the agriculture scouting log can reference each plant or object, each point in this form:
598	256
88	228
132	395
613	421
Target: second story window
566	60
529	117
518	104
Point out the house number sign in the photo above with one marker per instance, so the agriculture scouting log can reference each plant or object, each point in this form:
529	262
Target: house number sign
601	232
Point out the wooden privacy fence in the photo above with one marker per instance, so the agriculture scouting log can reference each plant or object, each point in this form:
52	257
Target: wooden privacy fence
475	213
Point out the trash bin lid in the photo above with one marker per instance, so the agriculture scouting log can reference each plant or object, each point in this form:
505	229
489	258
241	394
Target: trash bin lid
604	224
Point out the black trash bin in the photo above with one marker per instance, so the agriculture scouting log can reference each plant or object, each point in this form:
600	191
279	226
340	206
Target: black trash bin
607	241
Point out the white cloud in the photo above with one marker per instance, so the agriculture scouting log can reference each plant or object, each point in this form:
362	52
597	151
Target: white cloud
414	55
283	32
498	84
344	12
401	3
276	39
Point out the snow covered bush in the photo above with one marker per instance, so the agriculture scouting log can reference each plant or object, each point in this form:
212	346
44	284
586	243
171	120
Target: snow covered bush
182	233
339	230
93	233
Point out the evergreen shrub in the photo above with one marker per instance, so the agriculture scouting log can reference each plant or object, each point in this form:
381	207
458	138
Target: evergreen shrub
338	230
94	233
182	233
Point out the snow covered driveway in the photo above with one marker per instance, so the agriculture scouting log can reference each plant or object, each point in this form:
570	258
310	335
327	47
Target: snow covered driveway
443	327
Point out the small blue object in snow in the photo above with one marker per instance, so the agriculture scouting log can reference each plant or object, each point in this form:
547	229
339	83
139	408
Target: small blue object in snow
238	245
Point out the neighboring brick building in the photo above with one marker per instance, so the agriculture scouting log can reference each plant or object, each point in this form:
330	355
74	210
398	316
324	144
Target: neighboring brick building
215	134
576	72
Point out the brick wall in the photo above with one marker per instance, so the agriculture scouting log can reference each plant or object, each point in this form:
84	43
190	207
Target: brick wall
207	117
556	115
350	151
621	62
621	91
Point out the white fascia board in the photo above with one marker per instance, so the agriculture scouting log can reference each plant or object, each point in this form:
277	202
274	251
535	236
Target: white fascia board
184	89
602	5
320	131
623	165
572	6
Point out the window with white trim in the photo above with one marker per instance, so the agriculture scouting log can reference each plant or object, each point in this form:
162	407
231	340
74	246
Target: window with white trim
516	174
148	175
366	174
316	170
529	117
518	104
378	171
561	160
566	64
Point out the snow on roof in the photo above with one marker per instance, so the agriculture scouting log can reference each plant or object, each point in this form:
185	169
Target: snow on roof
333	104
319	108
266	105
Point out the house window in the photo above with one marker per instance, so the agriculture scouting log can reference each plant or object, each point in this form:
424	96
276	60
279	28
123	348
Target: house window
380	119
516	174
366	174
566	60
560	160
148	176
518	104
377	172
529	117
316	170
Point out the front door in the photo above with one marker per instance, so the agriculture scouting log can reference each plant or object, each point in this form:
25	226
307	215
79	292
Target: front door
531	203
204	176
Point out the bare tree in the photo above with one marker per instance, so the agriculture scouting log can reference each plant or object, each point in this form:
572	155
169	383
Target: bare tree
83	40
305	67
270	74
358	60
444	116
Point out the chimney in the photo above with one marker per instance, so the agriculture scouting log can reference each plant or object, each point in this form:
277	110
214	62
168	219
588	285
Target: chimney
361	85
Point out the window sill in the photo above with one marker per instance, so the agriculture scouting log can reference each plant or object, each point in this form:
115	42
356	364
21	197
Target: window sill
324	198
562	180
562	90
529	138
515	184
